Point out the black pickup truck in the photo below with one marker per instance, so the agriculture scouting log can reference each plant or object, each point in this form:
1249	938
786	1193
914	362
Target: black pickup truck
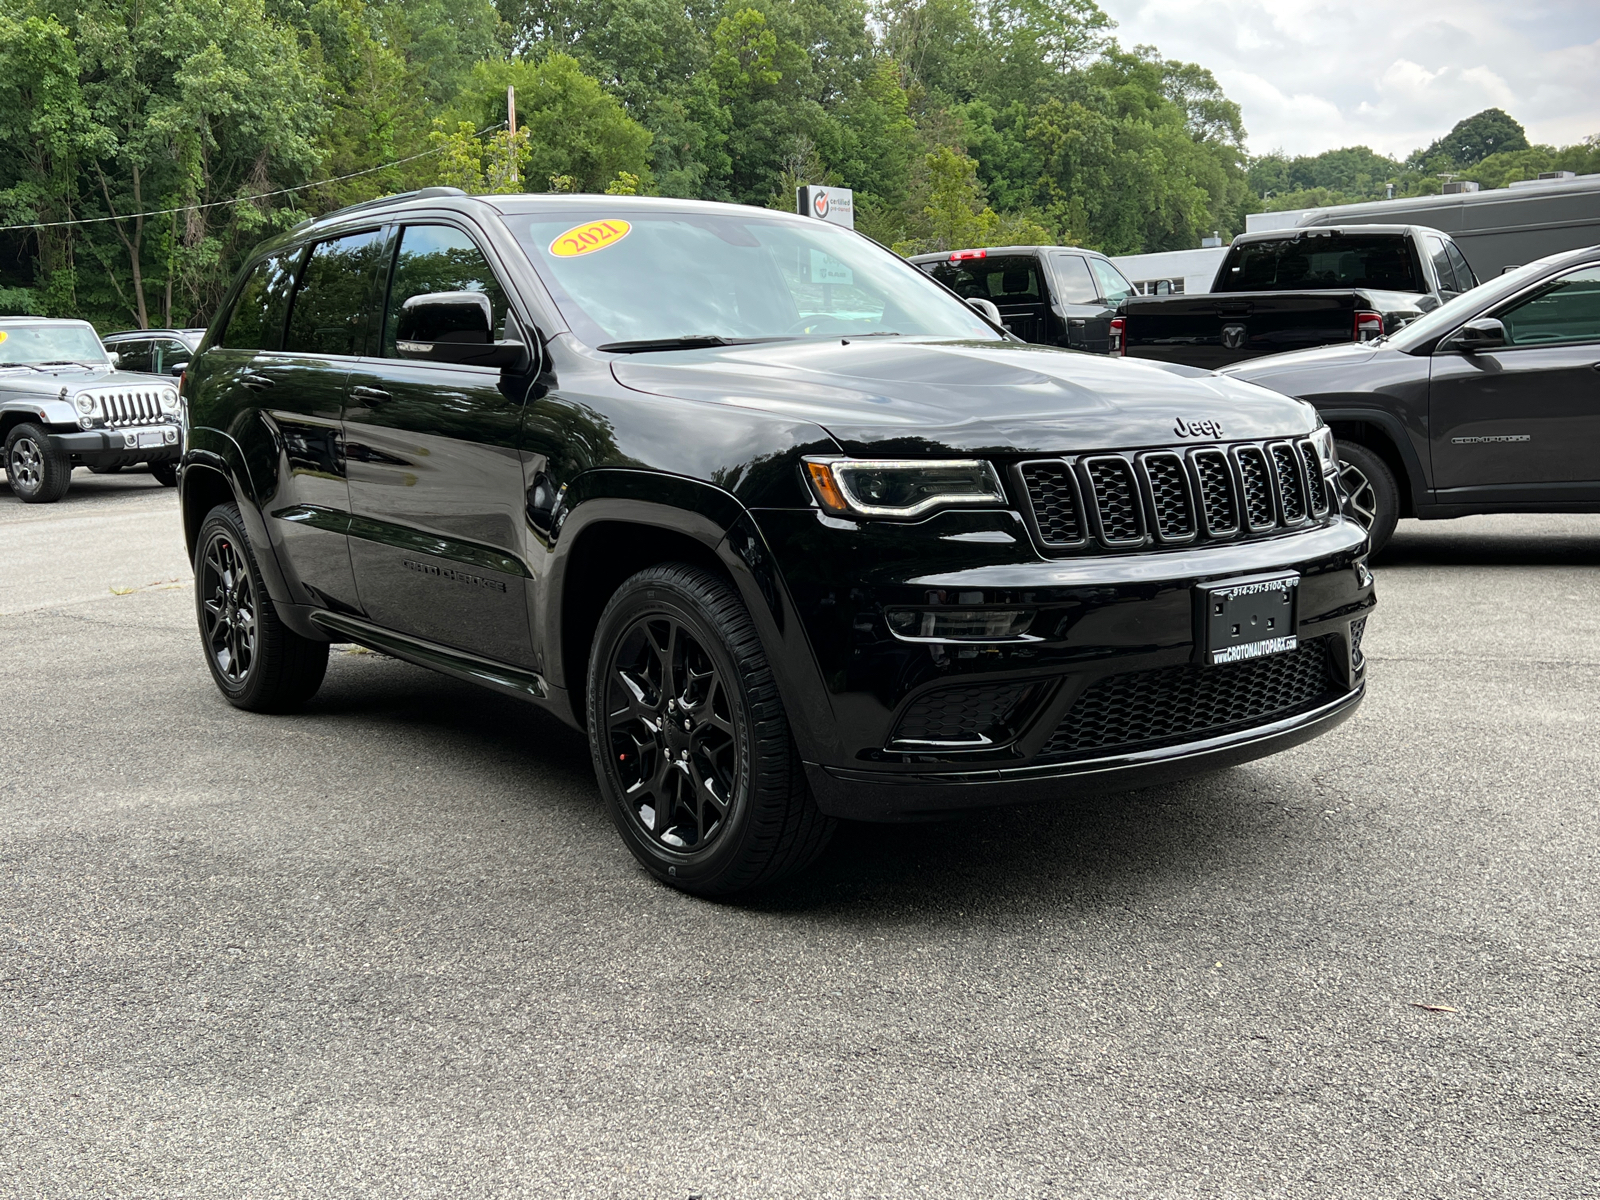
1295	289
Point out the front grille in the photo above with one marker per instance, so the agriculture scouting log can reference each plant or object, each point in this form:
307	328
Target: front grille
975	715
1054	496
1257	480
1124	501
1357	628
1116	499
1291	496
1171	705
129	406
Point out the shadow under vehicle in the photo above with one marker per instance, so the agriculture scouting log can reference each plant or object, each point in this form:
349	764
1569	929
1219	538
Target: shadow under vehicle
788	529
1485	405
65	404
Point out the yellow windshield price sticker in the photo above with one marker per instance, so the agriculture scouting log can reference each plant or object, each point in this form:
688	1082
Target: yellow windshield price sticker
589	237
3	335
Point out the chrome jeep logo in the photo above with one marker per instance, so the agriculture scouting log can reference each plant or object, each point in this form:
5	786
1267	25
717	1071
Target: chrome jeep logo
1198	429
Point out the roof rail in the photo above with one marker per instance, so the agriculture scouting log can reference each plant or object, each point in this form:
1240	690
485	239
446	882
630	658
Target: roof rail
391	198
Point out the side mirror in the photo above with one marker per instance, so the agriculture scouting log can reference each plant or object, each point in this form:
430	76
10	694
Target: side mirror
116	359
453	327
1483	333
178	368
1163	287
989	309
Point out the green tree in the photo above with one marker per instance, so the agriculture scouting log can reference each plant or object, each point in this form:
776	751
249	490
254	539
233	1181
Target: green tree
1492	131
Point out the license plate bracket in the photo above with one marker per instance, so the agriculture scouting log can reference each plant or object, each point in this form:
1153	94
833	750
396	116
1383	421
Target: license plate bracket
149	439
1248	618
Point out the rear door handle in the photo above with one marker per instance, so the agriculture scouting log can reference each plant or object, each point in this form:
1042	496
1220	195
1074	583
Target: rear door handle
370	394
259	383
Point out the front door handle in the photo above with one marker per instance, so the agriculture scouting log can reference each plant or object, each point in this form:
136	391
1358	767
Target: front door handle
258	383
371	395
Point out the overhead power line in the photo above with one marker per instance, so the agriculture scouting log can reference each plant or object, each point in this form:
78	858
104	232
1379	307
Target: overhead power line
301	187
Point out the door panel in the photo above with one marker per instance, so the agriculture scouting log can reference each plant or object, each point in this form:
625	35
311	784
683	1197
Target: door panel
436	479
1529	413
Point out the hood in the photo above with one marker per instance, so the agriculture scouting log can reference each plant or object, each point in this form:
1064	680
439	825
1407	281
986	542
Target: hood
74	378
924	397
1334	357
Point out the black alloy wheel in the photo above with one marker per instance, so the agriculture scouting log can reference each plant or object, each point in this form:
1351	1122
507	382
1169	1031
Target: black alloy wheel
691	746
256	661
37	471
1372	496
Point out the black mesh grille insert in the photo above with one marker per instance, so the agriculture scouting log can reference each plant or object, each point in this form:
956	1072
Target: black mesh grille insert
1169	490
1289	490
1116	498
956	715
1314	480
1257	480
1055	502
1216	492
1187	703
1357	628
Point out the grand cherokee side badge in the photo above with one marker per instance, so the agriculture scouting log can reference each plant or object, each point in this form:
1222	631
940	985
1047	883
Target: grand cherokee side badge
1198	429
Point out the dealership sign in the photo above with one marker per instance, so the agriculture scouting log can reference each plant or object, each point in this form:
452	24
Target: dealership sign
834	204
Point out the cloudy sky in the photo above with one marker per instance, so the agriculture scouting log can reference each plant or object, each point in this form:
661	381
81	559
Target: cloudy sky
1393	76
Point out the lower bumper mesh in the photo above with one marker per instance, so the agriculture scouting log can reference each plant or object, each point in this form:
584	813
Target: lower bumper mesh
1146	709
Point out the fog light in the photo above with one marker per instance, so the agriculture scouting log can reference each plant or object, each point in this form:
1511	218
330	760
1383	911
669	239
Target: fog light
959	624
130	440
170	435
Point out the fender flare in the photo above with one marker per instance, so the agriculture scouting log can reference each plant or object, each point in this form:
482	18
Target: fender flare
1416	474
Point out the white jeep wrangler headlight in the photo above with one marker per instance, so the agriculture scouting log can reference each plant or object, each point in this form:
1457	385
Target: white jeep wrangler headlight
169	400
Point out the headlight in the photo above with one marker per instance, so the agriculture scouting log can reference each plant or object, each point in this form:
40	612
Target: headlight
85	404
169	400
1322	439
892	488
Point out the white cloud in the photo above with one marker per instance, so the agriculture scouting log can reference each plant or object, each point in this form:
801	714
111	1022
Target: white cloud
1312	75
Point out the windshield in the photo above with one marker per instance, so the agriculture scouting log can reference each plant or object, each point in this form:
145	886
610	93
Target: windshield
623	277
41	344
1451	313
1309	261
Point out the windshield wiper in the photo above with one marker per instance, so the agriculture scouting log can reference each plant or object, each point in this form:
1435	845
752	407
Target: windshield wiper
698	341
30	366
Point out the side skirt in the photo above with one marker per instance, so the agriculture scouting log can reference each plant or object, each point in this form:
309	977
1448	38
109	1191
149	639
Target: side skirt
513	681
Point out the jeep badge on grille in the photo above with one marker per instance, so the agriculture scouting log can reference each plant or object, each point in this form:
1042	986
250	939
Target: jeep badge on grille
1198	429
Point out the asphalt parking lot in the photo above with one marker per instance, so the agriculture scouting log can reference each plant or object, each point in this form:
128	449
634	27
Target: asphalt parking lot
391	946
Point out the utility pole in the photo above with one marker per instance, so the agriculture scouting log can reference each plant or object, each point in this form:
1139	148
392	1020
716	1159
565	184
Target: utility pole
512	180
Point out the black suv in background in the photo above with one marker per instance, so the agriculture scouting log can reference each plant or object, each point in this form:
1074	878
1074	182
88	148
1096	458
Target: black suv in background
1487	404
1052	295
788	529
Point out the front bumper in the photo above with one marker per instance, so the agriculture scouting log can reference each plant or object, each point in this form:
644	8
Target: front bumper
1115	653
111	447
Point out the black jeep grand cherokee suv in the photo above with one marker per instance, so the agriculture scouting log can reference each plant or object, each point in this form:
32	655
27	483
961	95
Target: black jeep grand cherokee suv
792	531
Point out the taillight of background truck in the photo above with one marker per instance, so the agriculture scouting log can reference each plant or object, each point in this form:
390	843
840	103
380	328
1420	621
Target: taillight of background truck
1118	325
1369	326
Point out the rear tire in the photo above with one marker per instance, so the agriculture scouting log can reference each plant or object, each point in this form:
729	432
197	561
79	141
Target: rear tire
166	473
257	662
1374	497
690	741
37	471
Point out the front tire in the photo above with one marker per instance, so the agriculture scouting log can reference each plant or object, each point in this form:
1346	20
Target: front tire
37	471
257	662
690	741
1374	495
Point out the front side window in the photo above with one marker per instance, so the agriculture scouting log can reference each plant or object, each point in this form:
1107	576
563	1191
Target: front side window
1010	280
1113	287
1073	280
256	322
640	276
1311	261
439	258
40	345
1465	279
133	356
1441	266
1565	312
329	313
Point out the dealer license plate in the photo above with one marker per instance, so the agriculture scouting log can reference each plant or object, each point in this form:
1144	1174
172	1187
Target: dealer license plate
1250	618
149	438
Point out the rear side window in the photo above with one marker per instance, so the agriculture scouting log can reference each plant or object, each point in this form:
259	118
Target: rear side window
1567	311
1312	261
439	258
1112	285
334	300
1011	280
1076	285
256	321
1465	279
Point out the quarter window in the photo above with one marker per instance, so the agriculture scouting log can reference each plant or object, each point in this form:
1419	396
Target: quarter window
439	258
256	322
1565	312
329	314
